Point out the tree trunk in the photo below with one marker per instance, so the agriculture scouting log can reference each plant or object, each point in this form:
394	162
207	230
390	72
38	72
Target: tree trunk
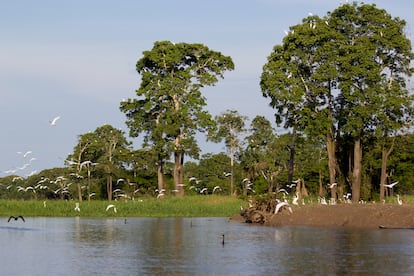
291	157
109	186
79	191
89	184
232	153
160	172
356	172
384	160
330	146
178	172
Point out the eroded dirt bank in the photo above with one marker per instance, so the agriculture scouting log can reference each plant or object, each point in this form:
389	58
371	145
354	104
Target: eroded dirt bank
340	215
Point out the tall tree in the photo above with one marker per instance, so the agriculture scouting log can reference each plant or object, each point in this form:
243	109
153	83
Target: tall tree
374	63
105	146
333	76
230	127
299	78
170	107
259	158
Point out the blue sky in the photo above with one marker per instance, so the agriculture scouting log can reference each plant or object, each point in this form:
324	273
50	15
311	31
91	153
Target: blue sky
76	59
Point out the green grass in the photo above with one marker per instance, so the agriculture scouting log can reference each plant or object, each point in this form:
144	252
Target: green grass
187	206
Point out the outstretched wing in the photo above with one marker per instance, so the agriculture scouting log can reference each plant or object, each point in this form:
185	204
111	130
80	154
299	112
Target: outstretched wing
22	218
10	218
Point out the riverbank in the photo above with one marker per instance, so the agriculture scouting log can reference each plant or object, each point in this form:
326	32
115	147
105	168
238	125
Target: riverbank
343	215
172	206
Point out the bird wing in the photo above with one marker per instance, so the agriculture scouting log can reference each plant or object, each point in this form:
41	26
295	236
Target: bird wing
10	218
22	218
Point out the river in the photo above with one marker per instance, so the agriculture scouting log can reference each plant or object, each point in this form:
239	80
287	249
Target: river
194	246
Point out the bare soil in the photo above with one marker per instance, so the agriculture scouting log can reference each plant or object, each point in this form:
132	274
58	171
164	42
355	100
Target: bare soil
342	215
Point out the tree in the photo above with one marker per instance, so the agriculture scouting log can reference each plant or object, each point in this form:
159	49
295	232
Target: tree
259	159
374	63
169	108
299	78
230	127
331	77
106	146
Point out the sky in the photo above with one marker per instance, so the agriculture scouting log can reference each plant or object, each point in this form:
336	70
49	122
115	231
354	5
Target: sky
76	60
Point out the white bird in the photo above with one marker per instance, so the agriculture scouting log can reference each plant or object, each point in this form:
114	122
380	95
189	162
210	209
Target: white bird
332	185
120	180
283	191
291	185
399	200
84	163
203	190
111	206
77	207
192	179
391	185
295	199
227	174
281	205
216	188
54	120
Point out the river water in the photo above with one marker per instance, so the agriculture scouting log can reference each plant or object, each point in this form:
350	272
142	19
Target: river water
194	246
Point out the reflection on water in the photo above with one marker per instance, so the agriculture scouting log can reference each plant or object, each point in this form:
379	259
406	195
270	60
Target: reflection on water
193	246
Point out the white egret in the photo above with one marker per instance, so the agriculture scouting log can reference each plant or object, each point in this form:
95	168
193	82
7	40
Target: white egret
227	174
54	121
282	204
295	199
391	185
283	191
77	207
332	185
111	206
204	190
399	201
216	188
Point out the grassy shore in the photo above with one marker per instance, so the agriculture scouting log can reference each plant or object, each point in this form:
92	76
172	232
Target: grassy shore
188	206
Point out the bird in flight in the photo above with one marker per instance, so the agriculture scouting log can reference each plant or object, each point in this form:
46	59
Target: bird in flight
54	121
391	185
15	218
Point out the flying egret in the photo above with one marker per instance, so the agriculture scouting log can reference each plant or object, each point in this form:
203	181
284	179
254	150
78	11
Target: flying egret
332	185
16	218
282	204
290	186
216	188
283	191
391	185
54	120
111	206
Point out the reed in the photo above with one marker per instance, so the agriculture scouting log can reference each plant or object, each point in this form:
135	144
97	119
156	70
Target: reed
187	206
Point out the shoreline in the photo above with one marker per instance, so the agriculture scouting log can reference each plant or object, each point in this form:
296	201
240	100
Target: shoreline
368	216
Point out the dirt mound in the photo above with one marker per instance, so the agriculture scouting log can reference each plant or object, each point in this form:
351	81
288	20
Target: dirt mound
340	215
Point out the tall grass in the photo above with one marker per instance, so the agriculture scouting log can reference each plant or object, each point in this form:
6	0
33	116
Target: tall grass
187	206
